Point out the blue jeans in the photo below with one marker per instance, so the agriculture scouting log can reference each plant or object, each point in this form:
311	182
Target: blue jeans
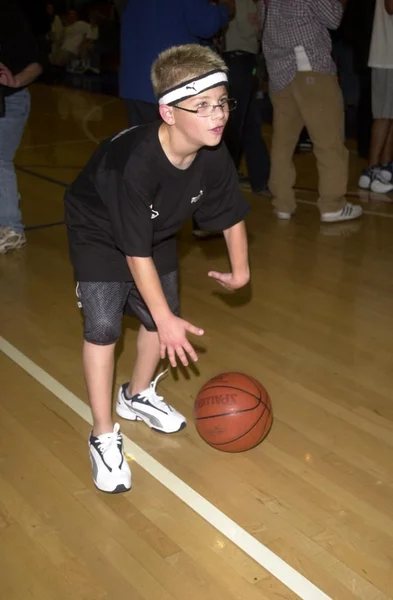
17	108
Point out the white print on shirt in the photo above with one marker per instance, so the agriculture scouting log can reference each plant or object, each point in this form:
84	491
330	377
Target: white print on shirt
123	132
154	213
196	198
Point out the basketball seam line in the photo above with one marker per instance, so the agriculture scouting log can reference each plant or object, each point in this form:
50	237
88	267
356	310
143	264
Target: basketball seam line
228	414
214	380
243	434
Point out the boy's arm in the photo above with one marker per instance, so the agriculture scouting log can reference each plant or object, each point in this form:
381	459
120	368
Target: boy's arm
172	330
236	241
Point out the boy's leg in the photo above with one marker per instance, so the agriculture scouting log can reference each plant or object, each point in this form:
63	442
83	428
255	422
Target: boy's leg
138	398
147	359
98	365
103	304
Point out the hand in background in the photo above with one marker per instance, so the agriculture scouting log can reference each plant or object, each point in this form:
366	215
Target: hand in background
7	78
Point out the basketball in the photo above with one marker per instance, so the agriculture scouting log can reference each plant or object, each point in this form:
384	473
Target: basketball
233	412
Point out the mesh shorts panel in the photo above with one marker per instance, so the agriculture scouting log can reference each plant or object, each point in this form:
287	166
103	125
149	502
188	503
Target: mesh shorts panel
104	302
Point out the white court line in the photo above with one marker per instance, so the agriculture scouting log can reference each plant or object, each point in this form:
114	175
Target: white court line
288	576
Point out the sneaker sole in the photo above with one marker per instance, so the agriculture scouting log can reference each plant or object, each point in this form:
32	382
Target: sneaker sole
6	249
340	219
132	416
119	489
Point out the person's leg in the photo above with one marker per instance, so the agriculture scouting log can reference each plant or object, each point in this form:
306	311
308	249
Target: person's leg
287	125
381	181
17	107
147	359
140	112
381	124
255	150
320	100
138	398
364	114
387	153
103	304
240	67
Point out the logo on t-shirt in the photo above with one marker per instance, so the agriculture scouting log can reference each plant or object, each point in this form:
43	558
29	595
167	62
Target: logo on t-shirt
154	213
196	198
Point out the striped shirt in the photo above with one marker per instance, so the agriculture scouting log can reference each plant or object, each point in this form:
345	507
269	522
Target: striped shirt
291	23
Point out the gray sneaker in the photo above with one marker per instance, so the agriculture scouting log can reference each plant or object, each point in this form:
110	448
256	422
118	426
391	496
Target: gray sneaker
11	240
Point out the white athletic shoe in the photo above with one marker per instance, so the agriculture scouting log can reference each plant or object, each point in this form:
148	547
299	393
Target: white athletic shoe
111	472
349	212
11	240
150	408
283	216
379	185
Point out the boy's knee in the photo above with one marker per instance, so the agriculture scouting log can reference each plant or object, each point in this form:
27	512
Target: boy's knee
103	331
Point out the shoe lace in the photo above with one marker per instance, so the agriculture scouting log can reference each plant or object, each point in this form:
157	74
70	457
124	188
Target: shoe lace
108	444
151	395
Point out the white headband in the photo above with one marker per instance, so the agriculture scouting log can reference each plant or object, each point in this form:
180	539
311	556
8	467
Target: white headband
190	88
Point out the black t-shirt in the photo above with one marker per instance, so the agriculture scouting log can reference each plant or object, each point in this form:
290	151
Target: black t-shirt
18	47
130	200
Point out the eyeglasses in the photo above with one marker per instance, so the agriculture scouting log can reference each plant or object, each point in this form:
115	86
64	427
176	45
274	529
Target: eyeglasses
206	110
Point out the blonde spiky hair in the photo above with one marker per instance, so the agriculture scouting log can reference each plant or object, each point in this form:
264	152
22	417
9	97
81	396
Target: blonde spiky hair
183	63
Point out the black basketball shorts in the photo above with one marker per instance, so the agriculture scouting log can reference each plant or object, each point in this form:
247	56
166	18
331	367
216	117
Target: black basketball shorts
104	302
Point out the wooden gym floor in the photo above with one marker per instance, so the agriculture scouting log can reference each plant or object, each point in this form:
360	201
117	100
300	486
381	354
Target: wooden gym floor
308	514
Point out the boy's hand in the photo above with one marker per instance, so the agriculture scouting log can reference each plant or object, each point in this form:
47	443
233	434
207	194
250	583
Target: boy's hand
173	340
229	281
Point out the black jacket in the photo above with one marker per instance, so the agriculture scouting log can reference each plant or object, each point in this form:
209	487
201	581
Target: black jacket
18	46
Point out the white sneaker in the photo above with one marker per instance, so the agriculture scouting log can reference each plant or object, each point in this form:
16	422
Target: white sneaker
283	216
11	240
111	472
349	212
367	176
386	172
379	185
150	408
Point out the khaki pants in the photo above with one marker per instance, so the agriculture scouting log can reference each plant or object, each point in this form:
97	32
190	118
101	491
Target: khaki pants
314	100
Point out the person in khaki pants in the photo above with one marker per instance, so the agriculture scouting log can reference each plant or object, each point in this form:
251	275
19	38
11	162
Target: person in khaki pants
305	92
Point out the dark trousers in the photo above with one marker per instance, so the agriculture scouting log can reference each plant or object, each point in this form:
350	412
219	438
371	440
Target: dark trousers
364	119
140	112
243	131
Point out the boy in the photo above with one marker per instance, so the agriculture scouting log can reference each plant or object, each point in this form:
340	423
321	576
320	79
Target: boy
122	214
